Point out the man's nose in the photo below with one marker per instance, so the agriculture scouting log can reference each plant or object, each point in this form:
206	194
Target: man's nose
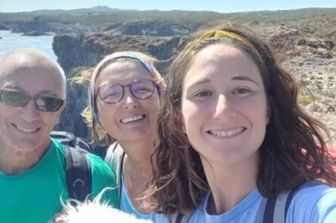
29	112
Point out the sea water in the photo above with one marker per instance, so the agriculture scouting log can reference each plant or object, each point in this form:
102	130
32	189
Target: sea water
11	41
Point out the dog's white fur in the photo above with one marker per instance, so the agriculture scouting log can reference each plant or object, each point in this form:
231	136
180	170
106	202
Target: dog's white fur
94	211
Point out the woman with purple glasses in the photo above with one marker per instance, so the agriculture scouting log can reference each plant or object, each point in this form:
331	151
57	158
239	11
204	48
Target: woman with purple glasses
124	94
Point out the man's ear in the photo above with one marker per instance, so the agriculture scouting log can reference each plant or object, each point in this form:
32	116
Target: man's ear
60	111
63	107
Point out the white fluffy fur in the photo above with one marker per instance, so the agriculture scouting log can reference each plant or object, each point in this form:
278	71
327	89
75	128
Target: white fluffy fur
96	212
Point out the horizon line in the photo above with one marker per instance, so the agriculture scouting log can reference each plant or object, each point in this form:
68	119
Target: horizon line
166	10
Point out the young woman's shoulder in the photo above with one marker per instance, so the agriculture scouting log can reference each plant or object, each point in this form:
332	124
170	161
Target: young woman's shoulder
313	204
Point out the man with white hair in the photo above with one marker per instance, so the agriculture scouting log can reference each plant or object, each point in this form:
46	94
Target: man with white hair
32	165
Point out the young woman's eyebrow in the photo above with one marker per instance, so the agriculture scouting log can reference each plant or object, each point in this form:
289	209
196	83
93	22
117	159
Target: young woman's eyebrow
201	81
245	78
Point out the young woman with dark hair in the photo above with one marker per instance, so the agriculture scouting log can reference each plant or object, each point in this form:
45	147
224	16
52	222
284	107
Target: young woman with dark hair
232	135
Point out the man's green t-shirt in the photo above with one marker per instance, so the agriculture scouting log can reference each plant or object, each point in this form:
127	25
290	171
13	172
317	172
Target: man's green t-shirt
35	196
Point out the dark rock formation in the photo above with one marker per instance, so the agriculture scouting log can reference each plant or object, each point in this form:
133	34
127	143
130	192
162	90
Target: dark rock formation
75	51
42	27
36	33
86	50
71	119
3	27
284	42
317	43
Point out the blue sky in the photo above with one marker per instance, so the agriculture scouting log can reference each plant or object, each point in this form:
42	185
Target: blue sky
208	5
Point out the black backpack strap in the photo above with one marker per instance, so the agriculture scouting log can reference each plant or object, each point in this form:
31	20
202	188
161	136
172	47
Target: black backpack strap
69	139
81	143
261	210
77	173
176	218
180	218
276	208
280	210
269	210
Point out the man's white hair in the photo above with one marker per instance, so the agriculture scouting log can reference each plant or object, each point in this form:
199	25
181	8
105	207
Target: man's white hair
95	211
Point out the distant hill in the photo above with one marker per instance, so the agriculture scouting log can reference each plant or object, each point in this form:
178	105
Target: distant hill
101	17
286	14
96	9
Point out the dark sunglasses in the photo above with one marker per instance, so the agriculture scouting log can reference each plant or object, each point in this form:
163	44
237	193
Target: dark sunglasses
20	99
140	89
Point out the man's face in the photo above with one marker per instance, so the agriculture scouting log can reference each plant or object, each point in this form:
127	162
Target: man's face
25	128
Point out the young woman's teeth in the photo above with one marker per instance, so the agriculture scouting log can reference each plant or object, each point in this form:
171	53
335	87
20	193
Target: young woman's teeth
230	133
132	119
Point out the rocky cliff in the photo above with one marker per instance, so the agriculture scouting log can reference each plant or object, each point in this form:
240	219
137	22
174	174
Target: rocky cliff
153	28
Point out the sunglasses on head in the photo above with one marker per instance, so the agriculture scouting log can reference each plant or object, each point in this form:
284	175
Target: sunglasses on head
20	99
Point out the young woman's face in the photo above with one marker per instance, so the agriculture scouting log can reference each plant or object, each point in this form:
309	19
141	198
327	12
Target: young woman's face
224	105
130	119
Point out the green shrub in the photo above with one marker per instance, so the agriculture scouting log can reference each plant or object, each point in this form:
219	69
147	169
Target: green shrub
305	99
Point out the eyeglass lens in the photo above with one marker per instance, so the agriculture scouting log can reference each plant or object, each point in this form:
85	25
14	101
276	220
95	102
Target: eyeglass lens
113	93
19	99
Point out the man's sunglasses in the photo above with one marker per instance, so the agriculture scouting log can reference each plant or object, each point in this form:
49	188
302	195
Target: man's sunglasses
20	99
